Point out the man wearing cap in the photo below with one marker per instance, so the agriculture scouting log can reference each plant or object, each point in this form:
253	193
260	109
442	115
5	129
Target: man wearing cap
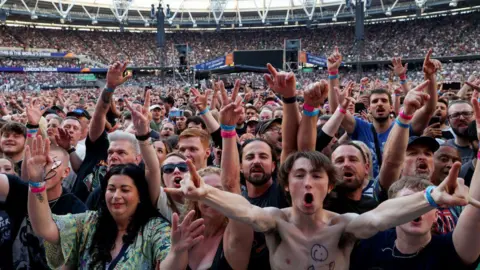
84	117
158	114
252	124
271	131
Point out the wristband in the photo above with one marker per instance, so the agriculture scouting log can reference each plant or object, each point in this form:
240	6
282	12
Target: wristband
332	77
308	108
36	184
478	155
403	77
32	130
404	116
228	134
227	128
333	72
30	126
289	100
38	190
429	198
311	114
143	137
402	82
400	124
342	110
71	150
207	109
109	90
397	95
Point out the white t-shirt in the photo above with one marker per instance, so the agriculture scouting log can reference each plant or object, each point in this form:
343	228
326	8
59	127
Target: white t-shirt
164	208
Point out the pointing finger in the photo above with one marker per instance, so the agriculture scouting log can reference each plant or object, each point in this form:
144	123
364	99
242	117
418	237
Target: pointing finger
272	70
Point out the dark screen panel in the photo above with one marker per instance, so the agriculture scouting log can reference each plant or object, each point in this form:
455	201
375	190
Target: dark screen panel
259	58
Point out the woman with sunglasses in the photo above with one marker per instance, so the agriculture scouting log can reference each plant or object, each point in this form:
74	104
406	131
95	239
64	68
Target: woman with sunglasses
127	232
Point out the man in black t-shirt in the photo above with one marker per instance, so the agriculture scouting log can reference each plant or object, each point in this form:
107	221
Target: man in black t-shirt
347	197
28	249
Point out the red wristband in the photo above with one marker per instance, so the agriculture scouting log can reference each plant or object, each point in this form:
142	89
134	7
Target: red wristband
38	190
342	110
403	77
308	108
478	155
404	116
228	134
333	72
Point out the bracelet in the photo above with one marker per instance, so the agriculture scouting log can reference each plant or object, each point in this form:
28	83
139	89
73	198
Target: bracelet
228	134
403	77
402	82
36	184
31	135
404	116
30	126
333	72
400	124
397	95
227	128
109	90
143	137
32	130
478	155
311	114
38	190
342	110
207	109
332	77
289	100
71	150
429	198
308	108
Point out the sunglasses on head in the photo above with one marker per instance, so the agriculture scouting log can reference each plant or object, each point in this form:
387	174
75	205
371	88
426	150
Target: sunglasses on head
170	168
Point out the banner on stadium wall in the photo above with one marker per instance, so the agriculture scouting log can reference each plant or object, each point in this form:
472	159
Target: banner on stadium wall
212	64
52	69
37	54
316	60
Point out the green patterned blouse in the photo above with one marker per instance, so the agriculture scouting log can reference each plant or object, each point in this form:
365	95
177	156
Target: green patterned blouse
76	235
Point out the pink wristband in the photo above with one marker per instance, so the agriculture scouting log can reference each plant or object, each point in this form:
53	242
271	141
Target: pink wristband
404	116
228	134
342	110
308	108
333	72
403	77
38	190
478	155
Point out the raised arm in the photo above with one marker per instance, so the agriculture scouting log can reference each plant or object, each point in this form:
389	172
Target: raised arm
401	72
333	64
466	236
285	84
467	86
142	128
114	78
204	111
231	205
63	140
422	117
398	139
401	210
38	162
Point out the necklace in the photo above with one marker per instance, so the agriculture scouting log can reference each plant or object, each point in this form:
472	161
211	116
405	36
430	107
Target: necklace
401	256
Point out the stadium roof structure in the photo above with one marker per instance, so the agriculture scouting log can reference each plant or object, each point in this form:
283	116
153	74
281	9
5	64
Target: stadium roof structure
214	14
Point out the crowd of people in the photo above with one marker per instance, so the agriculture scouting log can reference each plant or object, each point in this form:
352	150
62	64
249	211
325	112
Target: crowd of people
382	41
247	171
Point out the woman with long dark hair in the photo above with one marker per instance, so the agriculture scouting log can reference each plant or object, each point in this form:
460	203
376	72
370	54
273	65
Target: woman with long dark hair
127	232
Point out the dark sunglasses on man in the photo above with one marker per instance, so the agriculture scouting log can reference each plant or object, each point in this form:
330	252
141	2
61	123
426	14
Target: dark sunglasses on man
170	168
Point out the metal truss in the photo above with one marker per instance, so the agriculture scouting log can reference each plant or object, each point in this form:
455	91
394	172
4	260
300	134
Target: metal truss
120	9
59	9
218	7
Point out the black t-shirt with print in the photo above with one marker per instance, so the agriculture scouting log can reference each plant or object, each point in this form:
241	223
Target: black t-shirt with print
341	204
96	152
5	239
27	248
273	197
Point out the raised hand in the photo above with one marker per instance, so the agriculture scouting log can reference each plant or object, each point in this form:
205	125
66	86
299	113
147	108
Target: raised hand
475	84
200	101
433	131
476	110
192	185
230	113
115	75
316	93
343	96
187	234
431	66
225	99
37	158
397	66
63	139
282	83
415	99
140	116
34	112
334	60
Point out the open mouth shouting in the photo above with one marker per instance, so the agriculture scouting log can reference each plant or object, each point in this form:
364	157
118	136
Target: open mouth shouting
417	221
176	181
422	168
308	200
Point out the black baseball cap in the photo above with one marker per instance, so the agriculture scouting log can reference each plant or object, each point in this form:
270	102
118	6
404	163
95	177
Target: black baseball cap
264	126
430	142
79	113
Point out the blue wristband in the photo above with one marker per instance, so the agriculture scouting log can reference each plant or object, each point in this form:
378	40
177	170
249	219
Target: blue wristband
204	111
36	184
402	82
428	196
109	90
32	130
332	77
227	128
311	114
402	125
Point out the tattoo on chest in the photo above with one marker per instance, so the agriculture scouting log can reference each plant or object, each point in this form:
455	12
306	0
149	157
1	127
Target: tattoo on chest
330	266
319	253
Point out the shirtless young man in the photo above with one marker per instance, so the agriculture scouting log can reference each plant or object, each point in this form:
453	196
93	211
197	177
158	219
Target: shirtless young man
305	236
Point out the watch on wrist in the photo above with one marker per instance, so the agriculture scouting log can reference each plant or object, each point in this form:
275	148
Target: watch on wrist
71	150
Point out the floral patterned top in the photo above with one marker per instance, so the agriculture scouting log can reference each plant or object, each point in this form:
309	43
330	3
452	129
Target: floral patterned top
76	235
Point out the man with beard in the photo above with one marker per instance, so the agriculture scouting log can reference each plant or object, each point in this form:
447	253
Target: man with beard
460	114
466	172
439	129
375	134
347	197
271	131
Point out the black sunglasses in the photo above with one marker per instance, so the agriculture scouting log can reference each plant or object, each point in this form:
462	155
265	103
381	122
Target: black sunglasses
170	168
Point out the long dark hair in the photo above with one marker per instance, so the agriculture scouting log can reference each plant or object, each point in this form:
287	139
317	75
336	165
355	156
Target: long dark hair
106	229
